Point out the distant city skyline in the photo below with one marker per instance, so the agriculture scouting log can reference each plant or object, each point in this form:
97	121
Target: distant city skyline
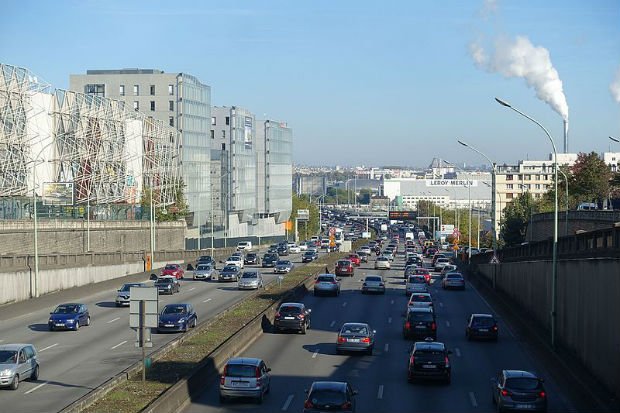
359	84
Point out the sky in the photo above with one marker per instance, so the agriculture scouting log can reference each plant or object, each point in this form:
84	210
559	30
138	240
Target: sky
359	82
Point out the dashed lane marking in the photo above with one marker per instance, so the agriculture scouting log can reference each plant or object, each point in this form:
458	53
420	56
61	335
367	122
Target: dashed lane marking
114	319
344	304
440	304
316	353
207	300
192	289
332	323
389	320
380	392
287	403
48	347
392	302
386	348
447	324
472	399
118	345
457	351
35	388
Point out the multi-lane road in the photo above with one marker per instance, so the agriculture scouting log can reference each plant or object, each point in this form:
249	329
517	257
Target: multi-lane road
297	360
74	363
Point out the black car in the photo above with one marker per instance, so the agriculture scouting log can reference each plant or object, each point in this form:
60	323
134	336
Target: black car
206	259
429	360
481	326
333	396
420	323
270	259
519	390
283	250
167	285
414	261
309	256
292	316
251	259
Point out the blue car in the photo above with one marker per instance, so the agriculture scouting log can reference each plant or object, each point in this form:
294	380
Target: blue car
177	317
69	316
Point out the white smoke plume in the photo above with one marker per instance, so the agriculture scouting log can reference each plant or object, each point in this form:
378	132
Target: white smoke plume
489	7
614	88
520	58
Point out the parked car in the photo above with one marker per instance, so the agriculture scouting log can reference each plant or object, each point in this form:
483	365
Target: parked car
250	280
453	280
206	259
355	337
229	273
251	258
69	316
283	267
177	317
330	396
203	272
415	284
382	263
17	362
123	293
518	390
235	260
292	316
344	267
173	269
482	326
373	284
270	259
309	256
167	285
327	284
420	324
429	360
244	377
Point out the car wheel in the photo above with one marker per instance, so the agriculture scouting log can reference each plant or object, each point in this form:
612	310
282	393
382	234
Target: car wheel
195	323
118	305
88	321
35	373
77	326
15	382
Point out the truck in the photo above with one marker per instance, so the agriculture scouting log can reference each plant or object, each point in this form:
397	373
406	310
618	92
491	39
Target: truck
384	227
409	236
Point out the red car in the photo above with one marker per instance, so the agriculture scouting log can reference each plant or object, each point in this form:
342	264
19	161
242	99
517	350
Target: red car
173	269
344	267
355	259
425	272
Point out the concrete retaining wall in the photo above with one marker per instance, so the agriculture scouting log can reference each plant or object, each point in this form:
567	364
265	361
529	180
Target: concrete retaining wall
588	307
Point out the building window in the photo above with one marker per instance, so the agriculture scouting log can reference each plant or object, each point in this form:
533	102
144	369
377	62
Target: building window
121	90
97	90
509	177
171	105
508	186
171	120
212	120
152	105
136	105
152	90
228	120
171	90
508	196
537	186
136	90
224	133
528	177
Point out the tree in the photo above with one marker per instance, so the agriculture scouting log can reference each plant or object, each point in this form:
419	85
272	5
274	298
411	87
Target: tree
163	213
310	227
516	216
590	181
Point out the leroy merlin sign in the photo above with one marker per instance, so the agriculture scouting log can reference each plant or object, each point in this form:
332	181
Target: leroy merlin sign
451	182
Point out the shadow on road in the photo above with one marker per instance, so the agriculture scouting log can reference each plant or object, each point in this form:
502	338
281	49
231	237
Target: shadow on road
39	327
106	304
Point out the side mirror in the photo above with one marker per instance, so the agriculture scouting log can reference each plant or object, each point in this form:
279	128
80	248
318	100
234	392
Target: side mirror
51	312
309	310
118	291
374	331
268	369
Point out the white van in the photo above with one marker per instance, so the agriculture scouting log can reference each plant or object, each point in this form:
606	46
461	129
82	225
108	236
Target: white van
244	246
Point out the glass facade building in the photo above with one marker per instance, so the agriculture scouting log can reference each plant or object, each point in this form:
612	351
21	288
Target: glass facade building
278	174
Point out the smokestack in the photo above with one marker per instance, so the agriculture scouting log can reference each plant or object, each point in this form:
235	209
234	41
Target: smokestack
565	135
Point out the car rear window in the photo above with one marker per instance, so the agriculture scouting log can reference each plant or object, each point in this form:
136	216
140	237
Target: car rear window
483	322
240	370
290	310
373	279
419	316
421	298
325	396
325	278
416	280
430	355
454	275
354	329
343	263
523	383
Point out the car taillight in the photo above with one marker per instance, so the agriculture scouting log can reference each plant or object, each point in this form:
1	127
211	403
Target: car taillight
433	326
278	314
366	340
407	325
223	378
308	404
341	339
542	394
505	392
412	360
301	316
346	405
447	361
334	282
494	328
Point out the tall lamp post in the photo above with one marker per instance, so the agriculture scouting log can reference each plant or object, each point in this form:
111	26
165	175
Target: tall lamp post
554	263
566	213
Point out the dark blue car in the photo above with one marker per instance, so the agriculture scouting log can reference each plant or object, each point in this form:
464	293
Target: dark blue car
69	317
177	317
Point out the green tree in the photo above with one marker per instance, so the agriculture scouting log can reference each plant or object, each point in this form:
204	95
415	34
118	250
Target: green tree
590	178
516	217
165	213
311	227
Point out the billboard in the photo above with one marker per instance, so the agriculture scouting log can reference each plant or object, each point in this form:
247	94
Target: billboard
403	215
303	214
247	136
451	182
58	193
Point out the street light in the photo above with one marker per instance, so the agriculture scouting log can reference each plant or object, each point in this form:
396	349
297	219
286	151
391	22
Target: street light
212	214
614	139
493	190
554	264
566	216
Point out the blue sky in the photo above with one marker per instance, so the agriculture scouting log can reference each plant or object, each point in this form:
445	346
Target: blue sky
360	82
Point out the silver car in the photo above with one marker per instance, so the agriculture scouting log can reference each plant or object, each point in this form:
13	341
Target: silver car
203	272
123	296
440	263
283	267
453	280
356	337
373	284
17	362
327	284
415	284
382	263
245	377
250	280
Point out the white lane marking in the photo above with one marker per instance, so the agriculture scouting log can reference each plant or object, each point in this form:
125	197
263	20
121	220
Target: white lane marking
287	403
386	348
457	351
392	302
38	387
48	347
207	300
114	319
332	323
472	399
344	304
447	324
389	320
440	304
118	345
380	392
316	353
192	289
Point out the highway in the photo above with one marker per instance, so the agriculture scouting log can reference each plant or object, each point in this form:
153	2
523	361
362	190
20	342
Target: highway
73	363
297	360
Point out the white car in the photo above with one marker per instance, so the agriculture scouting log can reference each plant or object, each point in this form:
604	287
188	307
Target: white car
235	260
382	263
303	247
415	284
294	249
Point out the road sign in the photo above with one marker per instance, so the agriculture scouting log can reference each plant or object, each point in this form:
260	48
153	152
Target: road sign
403	215
303	214
455	247
494	260
151	312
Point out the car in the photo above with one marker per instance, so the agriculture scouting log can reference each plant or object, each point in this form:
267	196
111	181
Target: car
429	360
420	300
203	272
292	316
355	337
229	273
123	293
382	263
440	263
177	317
420	323
313	248
363	256
294	249
414	260
453	280
173	269
167	285
206	259
437	256
333	396
244	245
283	250
518	390
388	254
344	267
283	267
69	316
17	362
244	377
483	326
309	256
303	247
250	280
251	259
325	244
373	284
272	250
355	259
425	272
449	268
327	284
415	284
270	259
365	249
235	260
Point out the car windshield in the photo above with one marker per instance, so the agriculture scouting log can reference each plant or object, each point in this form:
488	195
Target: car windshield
205	258
66	309
174	309
283	262
454	275
171	267
290	309
251	255
374	279
354	329
382	259
419	316
343	263
523	383
164	280
230	268
325	278
483	322
325	396
8	356
309	253
249	275
203	267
